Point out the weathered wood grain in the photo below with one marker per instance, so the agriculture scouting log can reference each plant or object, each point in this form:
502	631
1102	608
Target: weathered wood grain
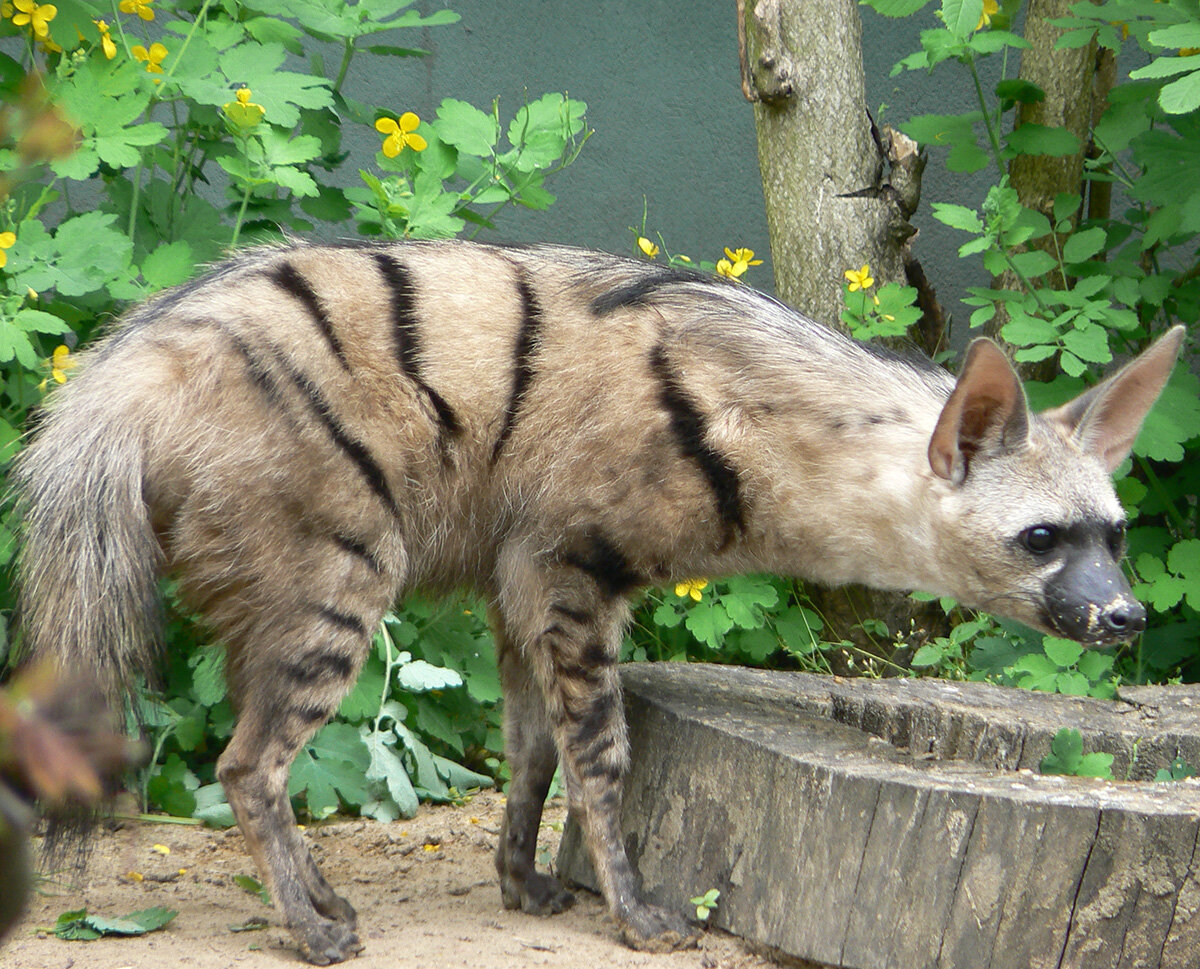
895	824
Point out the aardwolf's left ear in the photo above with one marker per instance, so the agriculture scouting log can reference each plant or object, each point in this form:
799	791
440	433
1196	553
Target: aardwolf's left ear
1106	419
986	412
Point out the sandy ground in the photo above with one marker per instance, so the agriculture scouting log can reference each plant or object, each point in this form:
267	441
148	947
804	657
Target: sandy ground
425	891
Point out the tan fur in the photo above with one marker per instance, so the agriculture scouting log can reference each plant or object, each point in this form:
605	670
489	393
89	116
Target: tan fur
310	431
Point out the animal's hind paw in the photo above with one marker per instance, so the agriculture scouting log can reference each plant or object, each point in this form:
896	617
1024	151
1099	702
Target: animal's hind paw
537	894
324	941
653	929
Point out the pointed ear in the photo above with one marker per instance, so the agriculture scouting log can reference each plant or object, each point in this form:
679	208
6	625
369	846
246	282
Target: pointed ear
986	412
1106	420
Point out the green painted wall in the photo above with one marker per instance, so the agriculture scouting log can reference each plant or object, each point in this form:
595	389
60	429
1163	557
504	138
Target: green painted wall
662	84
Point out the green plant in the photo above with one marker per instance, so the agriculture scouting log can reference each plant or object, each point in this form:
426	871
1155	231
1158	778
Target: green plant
1076	284
706	904
1179	770
1067	757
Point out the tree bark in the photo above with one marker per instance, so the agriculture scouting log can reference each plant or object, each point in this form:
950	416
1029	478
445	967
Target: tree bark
839	193
834	198
1076	83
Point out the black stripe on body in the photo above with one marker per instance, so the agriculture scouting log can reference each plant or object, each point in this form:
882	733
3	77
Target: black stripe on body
606	564
405	328
317	666
342	620
640	291
353	448
359	550
289	279
527	337
578	616
690	431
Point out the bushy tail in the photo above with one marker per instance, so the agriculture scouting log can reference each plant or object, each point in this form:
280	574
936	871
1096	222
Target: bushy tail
89	561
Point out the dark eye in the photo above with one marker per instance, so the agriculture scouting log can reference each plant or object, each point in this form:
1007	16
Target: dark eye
1116	540
1040	539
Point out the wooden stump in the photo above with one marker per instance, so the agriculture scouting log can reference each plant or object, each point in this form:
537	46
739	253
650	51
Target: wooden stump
896	824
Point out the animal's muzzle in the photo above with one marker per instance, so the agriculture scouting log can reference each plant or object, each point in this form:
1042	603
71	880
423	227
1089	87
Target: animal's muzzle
1093	604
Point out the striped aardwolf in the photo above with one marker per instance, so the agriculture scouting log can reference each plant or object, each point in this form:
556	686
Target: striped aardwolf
309	431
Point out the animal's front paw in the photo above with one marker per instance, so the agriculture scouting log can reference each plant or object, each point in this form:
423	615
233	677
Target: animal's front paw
324	941
654	929
536	894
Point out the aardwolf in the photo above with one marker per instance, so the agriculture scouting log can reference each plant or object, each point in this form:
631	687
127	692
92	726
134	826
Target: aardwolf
309	431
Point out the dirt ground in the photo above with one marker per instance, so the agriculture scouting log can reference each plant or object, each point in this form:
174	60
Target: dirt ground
425	891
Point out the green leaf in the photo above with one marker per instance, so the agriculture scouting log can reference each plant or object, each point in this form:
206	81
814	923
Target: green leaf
1096	665
1095	765
1034	262
1166	67
1182	95
79	925
1066	753
387	766
1035	139
466	128
419	676
962	16
1083	245
168	265
1064	652
543	129
708	622
927	655
1015	90
252	886
958	217
208	678
281	93
895	8
1090	344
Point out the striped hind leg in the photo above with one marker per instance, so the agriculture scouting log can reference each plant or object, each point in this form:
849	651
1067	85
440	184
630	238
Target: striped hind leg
533	758
282	699
296	616
568	627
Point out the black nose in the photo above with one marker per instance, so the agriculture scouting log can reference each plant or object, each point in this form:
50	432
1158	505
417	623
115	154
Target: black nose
1125	617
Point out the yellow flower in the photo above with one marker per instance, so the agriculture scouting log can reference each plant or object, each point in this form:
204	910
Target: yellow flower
6	242
243	112
141	7
400	134
159	849
691	587
152	58
38	16
106	41
60	363
737	261
990	8
860	278
649	249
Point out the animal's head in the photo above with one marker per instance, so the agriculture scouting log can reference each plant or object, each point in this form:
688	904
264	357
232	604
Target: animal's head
1036	528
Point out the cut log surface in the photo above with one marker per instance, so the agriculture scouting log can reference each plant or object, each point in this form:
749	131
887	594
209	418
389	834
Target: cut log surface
901	824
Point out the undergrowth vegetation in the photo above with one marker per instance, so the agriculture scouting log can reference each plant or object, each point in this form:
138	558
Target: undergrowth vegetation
140	140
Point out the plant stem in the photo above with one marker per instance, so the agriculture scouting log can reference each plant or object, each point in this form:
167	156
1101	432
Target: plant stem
347	55
993	138
237	227
1160	491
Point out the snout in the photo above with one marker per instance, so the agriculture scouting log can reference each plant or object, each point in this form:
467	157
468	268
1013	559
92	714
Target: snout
1091	602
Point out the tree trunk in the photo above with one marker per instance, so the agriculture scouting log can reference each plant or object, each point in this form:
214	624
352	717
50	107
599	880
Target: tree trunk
1076	83
838	194
831	202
